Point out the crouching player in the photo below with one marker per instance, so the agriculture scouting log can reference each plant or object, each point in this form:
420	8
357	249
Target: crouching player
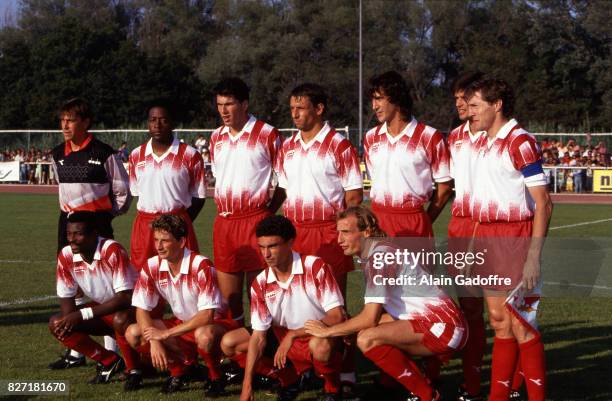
101	268
187	282
292	289
396	322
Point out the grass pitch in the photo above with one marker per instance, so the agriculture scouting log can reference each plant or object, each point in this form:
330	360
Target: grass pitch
577	332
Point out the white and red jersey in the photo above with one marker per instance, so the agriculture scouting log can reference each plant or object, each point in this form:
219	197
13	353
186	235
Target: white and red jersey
403	168
192	290
168	182
463	149
110	272
506	165
308	294
316	175
243	166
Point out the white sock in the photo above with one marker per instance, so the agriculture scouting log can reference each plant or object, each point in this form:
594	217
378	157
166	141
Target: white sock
110	344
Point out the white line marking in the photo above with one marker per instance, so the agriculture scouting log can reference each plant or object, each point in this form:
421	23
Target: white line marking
592	286
23	301
586	223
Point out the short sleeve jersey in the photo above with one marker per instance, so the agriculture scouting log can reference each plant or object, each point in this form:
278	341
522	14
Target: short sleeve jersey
243	166
500	187
110	272
168	182
308	294
316	175
192	290
403	168
463	148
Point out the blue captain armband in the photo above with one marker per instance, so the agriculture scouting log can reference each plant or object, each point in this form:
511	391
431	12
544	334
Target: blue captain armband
534	174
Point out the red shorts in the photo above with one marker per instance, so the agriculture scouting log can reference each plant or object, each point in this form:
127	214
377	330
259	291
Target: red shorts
299	354
442	339
408	222
235	244
506	245
461	227
320	238
142	245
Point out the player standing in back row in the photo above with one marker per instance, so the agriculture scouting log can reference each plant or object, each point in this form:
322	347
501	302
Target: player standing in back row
242	152
512	209
404	158
168	178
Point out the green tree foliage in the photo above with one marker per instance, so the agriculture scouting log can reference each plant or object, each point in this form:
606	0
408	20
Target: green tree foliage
121	53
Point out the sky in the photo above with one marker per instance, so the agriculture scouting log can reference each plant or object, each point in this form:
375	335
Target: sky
7	5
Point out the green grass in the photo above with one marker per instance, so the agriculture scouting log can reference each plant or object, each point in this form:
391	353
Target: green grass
577	332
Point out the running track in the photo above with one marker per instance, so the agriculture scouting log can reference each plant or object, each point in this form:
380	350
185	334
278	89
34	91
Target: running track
594	199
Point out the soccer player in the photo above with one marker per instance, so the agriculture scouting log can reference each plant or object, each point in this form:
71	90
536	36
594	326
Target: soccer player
242	152
167	176
396	322
463	147
91	178
101	268
293	288
404	158
510	199
187	282
319	170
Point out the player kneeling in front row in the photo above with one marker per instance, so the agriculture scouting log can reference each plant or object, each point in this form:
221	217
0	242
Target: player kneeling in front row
396	322
187	282
292	289
101	268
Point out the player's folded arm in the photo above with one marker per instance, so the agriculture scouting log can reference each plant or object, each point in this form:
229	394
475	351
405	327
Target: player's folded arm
120	301
200	319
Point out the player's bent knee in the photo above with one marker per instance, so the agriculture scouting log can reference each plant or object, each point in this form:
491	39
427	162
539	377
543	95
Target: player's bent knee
365	340
133	335
205	337
120	322
520	331
321	349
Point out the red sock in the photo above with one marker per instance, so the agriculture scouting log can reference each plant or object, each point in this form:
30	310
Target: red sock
432	368
213	362
130	355
504	358
348	359
330	372
265	367
82	343
398	365
534	368
474	349
517	379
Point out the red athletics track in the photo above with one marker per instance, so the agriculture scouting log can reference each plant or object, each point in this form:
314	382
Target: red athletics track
593	199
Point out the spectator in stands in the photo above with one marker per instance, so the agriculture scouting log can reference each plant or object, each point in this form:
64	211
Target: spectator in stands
123	152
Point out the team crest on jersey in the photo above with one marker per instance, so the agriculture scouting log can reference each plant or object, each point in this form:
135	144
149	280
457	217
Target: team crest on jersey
289	154
163	282
79	269
374	147
141	164
271	296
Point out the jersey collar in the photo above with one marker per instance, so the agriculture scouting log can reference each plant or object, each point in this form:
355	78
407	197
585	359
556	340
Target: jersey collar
68	145
505	129
172	149
473	137
320	137
407	131
164	267
296	268
248	127
97	255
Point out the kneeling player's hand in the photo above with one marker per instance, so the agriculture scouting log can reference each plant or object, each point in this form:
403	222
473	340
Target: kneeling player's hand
153	333
316	328
158	356
280	358
246	394
65	325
